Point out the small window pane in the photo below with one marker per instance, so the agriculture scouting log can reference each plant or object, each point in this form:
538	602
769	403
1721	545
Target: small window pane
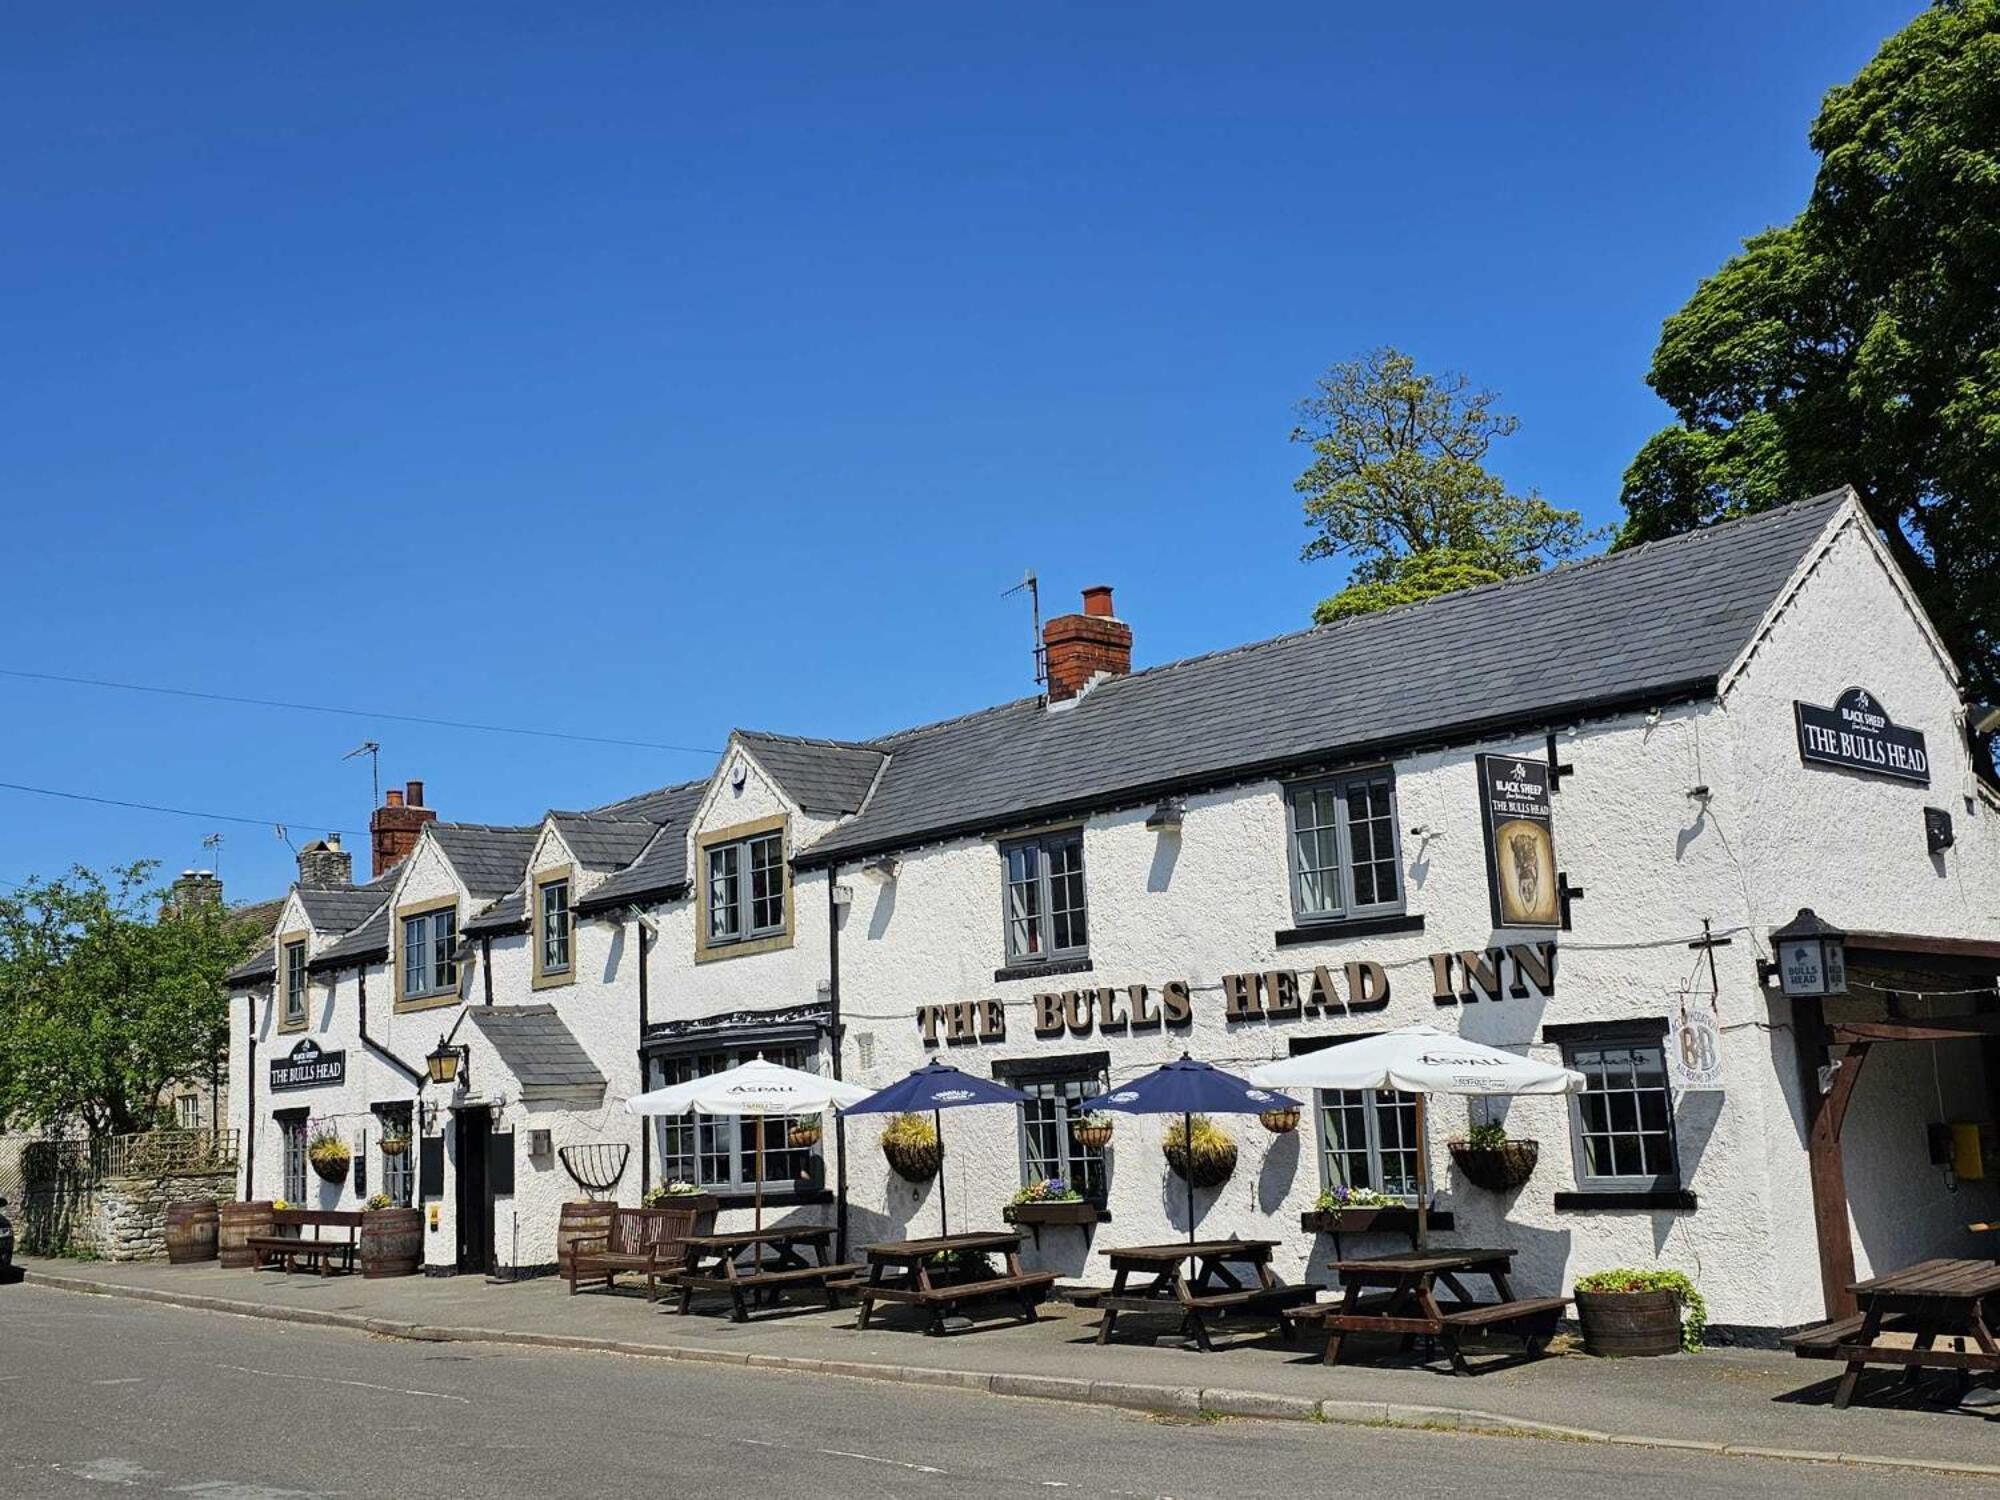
555	927
767	883
723	880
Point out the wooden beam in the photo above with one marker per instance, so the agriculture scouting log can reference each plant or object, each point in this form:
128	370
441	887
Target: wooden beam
1827	1170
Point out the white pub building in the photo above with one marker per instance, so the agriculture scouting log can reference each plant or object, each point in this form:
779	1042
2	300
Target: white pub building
1563	815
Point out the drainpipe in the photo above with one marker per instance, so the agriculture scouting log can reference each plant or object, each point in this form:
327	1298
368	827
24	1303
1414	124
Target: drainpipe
419	1079
839	1046
645	1016
486	965
250	1100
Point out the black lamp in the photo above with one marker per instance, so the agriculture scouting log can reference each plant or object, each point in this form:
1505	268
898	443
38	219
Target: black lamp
1811	958
445	1064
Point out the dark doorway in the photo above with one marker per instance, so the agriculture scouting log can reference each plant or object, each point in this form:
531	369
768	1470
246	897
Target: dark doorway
475	1194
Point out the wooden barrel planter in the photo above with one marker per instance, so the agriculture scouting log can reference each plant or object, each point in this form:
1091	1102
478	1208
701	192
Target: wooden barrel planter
235	1225
192	1231
1628	1325
392	1241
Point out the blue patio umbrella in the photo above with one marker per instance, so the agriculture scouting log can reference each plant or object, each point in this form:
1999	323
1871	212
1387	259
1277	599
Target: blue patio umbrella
1187	1088
937	1086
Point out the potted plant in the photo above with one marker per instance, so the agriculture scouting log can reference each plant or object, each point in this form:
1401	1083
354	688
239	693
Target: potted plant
805	1131
911	1145
1199	1150
1049	1201
1093	1130
392	1238
1490	1160
329	1155
682	1194
1348	1210
1628	1312
1281	1121
396	1142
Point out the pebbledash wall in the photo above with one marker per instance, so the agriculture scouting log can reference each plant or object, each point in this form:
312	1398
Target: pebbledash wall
1688	814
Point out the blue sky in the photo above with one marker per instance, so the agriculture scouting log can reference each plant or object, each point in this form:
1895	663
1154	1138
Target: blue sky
644	370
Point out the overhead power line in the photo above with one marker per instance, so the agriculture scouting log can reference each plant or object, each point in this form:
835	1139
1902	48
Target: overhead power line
179	812
355	713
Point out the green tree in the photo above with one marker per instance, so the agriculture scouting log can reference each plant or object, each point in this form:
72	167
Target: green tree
1398	485
1860	344
107	996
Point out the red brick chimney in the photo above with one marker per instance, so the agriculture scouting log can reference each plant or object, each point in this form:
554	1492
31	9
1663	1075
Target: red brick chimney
1078	647
396	824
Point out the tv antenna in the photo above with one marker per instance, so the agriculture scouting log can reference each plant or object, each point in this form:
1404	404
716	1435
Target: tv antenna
213	844
1034	588
374	753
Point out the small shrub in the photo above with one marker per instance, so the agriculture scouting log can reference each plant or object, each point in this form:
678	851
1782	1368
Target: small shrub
379	1200
1694	1311
1333	1199
1201	1149
912	1131
1487	1137
1048	1190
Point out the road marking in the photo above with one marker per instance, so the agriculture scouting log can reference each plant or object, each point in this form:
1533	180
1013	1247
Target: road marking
363	1385
122	1380
866	1458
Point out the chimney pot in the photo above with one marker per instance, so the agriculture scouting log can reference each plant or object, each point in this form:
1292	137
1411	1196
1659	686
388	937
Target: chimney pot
395	798
416	793
1097	600
1077	648
396	826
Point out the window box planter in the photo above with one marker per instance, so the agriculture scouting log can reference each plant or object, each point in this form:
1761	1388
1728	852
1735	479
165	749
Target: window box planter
1498	1169
1397	1219
1079	1211
700	1203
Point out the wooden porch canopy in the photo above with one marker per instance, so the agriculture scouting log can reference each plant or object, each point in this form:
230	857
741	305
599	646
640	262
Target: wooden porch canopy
1828	1084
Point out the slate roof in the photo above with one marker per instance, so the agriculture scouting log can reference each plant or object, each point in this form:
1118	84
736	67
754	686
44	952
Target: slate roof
542	1054
255	969
601	843
828	777
343	908
490	859
662	868
364	944
508	914
1657	622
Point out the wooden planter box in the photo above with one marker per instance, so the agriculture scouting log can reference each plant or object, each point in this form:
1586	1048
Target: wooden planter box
701	1203
1081	1212
1395	1219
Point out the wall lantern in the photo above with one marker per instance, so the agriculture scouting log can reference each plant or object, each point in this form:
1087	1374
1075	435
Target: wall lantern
1168	816
884	869
1811	958
445	1064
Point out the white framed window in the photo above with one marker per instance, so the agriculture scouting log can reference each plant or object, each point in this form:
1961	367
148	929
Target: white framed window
187	1111
430	947
295	983
719	1152
399	1171
292	1138
1368	1139
1622	1124
552	926
1345	856
1042	898
1056	1088
746	888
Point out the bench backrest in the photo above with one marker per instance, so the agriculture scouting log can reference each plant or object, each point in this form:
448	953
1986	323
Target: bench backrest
636	1230
317	1218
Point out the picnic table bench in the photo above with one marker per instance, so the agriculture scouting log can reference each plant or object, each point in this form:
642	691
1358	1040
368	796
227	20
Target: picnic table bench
1230	1278
1931	1301
1397	1294
600	1241
900	1271
717	1263
321	1253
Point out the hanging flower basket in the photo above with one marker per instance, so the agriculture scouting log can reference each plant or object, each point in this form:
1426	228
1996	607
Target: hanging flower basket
329	1157
911	1146
1280	1121
1499	1167
395	1145
805	1133
1093	1131
1214	1155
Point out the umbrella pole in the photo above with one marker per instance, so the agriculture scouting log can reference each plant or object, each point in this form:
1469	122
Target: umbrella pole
1423	1179
944	1205
1187	1144
760	1173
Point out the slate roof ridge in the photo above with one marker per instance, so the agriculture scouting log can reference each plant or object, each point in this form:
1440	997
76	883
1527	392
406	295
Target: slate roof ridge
815	741
671	789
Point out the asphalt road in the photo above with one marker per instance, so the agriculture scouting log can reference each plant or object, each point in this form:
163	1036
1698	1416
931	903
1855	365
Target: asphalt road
101	1396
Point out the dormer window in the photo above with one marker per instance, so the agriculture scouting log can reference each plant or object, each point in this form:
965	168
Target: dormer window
745	896
295	983
552	929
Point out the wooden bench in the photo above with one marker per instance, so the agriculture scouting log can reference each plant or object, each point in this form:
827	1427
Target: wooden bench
1933	1301
899	1272
599	1241
1396	1295
1198	1281
754	1266
319	1252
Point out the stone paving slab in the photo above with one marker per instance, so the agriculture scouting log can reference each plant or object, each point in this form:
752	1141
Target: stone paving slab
1719	1400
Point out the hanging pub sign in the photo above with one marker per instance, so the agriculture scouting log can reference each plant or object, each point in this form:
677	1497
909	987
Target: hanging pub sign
1857	734
1520	841
1694	1049
307	1066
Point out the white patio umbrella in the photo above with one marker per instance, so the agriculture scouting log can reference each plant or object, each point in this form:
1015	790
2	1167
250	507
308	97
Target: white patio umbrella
1418	1060
756	1088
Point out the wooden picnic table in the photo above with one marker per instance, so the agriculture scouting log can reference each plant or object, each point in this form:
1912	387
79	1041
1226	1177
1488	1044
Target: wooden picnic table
1229	1277
900	1271
718	1263
1397	1294
1931	1301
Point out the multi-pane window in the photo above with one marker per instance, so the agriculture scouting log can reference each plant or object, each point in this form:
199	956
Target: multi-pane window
746	888
552	926
295	984
430	961
1049	1147
1624	1118
187	1111
292	1136
720	1151
399	1167
1343	847
1368	1139
1043	902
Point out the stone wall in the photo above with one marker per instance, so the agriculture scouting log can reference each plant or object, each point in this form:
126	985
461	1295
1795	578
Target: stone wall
129	1217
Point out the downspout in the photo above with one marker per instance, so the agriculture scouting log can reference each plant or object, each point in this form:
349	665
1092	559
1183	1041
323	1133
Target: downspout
250	1100
419	1079
486	966
645	1015
839	1046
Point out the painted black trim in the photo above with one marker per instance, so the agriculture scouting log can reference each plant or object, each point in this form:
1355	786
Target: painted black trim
1042	971
779	1199
1063	1065
672	891
1278	768
1639	1029
1611	1202
1333	932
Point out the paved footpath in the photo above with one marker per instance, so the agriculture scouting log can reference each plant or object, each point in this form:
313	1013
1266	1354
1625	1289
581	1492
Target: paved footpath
1718	1401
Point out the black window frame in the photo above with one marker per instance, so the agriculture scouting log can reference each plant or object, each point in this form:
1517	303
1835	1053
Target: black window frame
546	919
733	1136
1057	1086
399	1173
1043	919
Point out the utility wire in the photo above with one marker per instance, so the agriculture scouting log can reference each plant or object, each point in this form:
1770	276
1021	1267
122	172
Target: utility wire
179	812
353	713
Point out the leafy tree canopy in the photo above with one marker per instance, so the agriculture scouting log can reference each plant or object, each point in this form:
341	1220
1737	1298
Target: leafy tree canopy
1860	344
1398	484
107	996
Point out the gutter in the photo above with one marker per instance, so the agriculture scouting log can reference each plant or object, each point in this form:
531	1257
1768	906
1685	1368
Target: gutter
673	891
1356	753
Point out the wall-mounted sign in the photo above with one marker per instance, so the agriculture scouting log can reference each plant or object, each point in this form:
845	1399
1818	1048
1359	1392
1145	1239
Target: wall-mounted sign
1520	841
1694	1048
1858	735
307	1066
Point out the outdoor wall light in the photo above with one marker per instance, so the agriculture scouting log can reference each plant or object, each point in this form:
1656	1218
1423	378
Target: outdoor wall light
1168	816
446	1064
1811	958
886	868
